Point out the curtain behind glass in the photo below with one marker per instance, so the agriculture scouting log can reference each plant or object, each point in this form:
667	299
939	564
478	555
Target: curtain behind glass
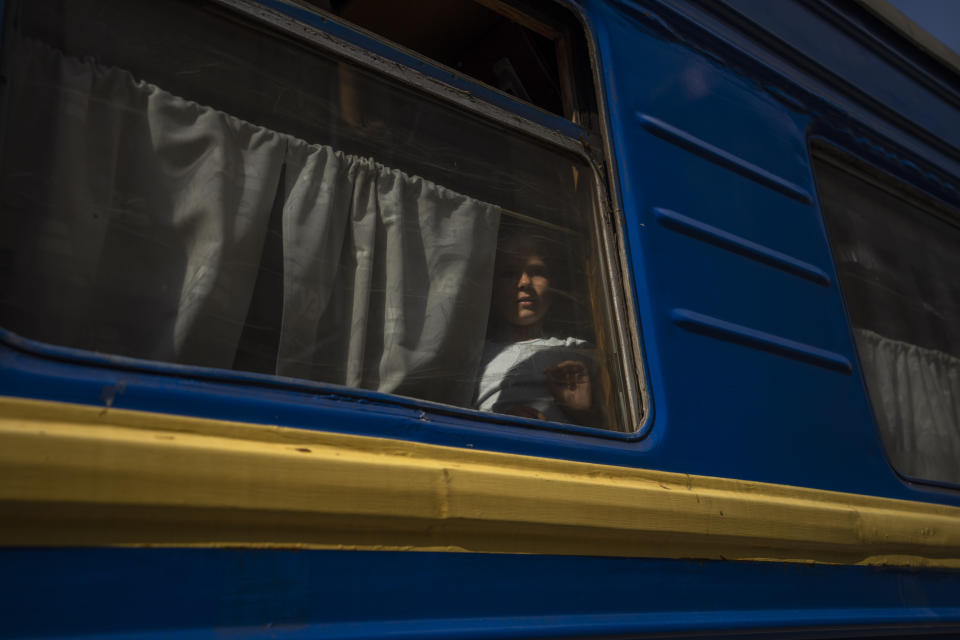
405	262
134	222
897	259
135	218
916	397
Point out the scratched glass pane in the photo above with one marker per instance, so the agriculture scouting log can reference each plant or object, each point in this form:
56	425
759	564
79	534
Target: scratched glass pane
180	186
898	257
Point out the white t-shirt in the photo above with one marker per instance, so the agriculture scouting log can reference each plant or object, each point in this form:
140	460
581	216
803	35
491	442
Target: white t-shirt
512	373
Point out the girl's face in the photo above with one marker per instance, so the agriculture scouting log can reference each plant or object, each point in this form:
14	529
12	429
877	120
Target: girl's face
521	290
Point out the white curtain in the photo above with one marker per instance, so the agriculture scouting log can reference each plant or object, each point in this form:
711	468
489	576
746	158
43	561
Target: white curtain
386	277
137	219
915	393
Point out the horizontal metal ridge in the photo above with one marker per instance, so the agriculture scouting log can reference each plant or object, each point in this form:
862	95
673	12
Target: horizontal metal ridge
723	158
723	330
83	476
737	244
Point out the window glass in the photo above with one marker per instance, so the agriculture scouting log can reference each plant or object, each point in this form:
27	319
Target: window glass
180	185
534	51
898	256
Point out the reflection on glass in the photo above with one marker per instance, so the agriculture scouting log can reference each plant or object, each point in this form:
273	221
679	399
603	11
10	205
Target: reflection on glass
898	258
530	366
180	187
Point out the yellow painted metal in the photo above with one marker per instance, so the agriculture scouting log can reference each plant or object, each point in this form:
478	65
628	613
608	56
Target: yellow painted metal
73	475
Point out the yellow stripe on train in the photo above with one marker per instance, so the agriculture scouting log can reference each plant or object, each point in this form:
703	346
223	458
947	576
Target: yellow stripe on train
76	475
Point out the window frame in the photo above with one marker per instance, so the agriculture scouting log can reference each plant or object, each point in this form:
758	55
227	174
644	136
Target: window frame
826	150
612	254
339	39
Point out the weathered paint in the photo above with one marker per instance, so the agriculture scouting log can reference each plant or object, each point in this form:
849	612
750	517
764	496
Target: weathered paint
309	594
72	475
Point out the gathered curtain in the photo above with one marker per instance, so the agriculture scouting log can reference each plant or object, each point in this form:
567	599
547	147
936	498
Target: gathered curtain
915	393
137	220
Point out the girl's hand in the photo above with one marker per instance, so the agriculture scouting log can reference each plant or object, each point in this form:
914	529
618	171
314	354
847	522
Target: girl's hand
569	382
523	411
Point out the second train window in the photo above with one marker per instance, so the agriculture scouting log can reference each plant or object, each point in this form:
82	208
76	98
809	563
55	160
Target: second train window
898	255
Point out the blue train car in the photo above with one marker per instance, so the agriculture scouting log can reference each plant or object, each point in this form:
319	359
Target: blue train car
478	319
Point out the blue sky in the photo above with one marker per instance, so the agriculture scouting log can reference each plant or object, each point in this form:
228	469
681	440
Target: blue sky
941	18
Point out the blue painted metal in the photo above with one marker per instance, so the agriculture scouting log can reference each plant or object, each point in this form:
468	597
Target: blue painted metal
723	158
723	330
734	38
719	237
308	594
769	416
836	53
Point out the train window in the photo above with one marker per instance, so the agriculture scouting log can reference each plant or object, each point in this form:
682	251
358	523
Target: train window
530	52
898	256
183	183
